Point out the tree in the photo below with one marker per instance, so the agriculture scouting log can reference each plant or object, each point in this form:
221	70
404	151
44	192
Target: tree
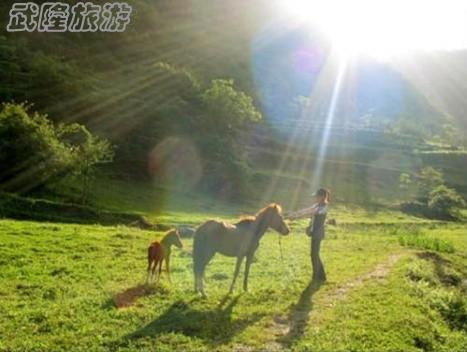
429	179
444	201
51	82
227	114
88	151
229	107
435	198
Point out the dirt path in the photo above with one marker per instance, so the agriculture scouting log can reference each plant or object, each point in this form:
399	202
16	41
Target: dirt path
284	328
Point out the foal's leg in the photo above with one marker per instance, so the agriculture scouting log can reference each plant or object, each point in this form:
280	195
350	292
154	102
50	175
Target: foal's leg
237	270
249	260
167	267
160	270
154	267
149	272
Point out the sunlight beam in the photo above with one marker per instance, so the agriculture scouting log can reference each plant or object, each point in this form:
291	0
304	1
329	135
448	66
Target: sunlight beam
316	181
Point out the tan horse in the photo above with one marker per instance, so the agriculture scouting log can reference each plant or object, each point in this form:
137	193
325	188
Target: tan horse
234	240
160	251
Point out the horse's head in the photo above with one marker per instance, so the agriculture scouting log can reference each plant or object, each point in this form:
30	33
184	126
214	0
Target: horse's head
174	238
277	220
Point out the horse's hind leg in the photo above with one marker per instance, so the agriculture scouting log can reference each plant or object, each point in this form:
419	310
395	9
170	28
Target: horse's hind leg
200	282
237	270
249	260
200	269
197	283
199	278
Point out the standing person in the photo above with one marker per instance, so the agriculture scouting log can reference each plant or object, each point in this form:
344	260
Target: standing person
315	230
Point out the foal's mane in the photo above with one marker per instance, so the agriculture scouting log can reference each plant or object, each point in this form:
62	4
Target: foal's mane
170	233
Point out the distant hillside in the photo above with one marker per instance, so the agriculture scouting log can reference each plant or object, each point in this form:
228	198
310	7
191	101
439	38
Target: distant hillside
359	166
441	78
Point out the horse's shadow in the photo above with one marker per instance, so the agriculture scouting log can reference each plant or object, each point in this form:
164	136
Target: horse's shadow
214	326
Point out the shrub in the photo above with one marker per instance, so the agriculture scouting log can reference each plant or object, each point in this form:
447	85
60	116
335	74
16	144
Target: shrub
31	153
420	271
435	200
34	152
451	305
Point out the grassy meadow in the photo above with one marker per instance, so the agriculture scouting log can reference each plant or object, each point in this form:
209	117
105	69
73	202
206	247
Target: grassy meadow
396	283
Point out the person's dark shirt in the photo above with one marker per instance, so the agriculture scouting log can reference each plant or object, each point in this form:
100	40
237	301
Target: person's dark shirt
318	220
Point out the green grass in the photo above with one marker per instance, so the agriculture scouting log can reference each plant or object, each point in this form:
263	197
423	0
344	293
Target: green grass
424	242
60	283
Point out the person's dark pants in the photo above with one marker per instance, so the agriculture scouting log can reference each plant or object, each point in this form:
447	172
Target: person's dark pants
317	264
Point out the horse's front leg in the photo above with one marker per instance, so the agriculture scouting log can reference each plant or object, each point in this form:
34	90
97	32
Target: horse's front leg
167	268
237	270
249	260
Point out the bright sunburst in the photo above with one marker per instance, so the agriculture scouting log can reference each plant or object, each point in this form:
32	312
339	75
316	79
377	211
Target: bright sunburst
385	28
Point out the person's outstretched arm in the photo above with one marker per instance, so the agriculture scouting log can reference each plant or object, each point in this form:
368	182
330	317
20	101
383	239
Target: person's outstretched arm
302	213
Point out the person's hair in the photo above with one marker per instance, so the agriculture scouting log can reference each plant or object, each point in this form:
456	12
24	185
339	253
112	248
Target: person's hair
323	192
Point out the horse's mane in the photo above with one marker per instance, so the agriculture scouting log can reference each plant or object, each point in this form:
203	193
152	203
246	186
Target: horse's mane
249	218
270	206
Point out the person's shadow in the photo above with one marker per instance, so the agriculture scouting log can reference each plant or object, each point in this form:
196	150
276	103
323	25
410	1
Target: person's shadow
215	326
299	313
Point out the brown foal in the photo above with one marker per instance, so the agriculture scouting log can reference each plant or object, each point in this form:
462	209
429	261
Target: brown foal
160	251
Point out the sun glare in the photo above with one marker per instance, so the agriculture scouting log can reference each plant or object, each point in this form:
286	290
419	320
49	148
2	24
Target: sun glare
385	28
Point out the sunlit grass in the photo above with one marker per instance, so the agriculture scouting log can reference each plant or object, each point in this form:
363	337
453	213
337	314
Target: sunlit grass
59	283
